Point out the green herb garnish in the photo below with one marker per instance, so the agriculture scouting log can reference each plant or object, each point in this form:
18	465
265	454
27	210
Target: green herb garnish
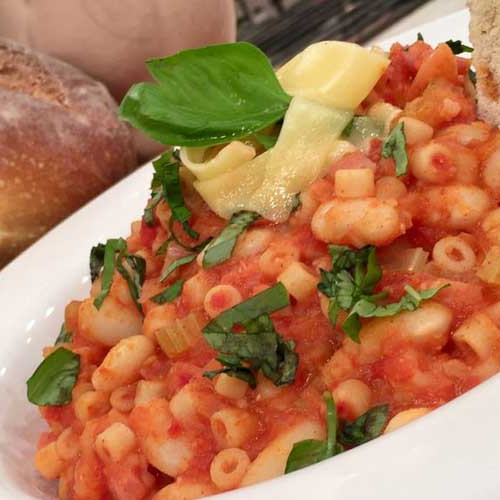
52	382
96	260
395	146
268	141
457	47
257	346
366	427
221	248
148	216
207	96
312	451
350	285
162	249
472	76
167	175
131	267
169	294
64	335
420	37
175	265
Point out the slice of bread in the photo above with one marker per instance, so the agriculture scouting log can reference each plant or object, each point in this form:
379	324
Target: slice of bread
484	32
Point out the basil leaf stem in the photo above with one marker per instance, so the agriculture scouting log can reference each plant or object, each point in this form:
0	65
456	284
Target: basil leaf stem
221	247
207	96
52	382
395	146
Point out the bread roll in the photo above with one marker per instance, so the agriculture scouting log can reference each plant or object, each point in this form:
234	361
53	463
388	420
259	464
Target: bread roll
111	39
61	143
484	33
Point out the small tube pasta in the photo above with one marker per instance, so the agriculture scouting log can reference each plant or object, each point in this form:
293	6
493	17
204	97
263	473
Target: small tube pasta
355	183
115	442
48	462
405	417
454	254
271	461
479	334
228	468
219	298
230	387
147	390
298	280
185	489
232	427
122	363
353	397
489	270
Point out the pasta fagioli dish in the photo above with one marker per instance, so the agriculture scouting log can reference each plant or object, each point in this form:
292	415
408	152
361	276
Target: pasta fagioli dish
318	264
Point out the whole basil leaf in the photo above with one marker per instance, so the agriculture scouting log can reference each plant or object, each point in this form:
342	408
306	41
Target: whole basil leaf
206	96
52	382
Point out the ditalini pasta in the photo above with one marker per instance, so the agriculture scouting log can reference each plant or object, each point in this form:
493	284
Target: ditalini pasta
318	264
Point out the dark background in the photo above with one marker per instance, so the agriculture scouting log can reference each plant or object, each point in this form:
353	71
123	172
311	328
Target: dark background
281	28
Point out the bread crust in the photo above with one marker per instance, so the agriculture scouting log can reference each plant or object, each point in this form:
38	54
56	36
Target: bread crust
61	143
484	33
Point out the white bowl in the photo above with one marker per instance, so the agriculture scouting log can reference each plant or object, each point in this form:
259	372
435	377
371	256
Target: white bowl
452	453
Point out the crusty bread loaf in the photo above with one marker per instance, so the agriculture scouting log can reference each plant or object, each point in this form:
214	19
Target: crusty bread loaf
484	32
61	143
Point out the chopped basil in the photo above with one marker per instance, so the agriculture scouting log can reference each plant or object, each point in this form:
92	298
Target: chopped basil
176	264
221	248
134	273
350	284
167	175
64	335
296	204
162	249
395	146
52	382
457	47
366	427
258	345
148	216
170	293
472	76
420	37
96	261
312	451
207	96
135	278
194	248
268	141
348	128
